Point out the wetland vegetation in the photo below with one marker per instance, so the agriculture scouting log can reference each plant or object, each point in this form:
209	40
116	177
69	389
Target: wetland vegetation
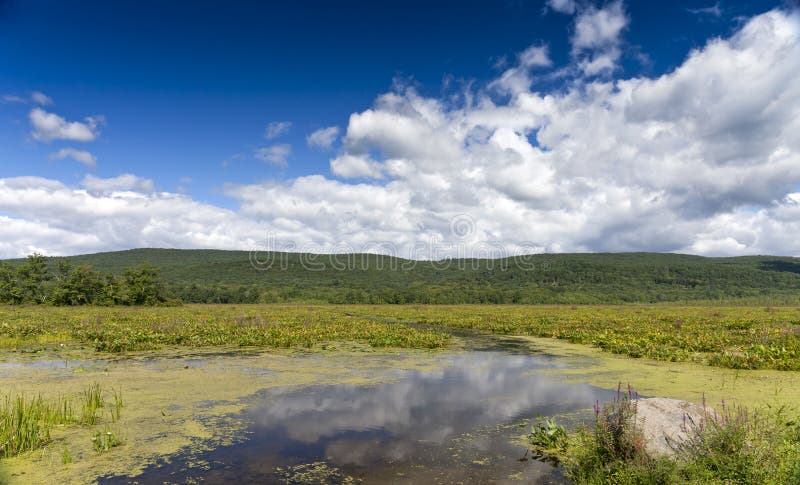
732	337
732	446
189	372
26	422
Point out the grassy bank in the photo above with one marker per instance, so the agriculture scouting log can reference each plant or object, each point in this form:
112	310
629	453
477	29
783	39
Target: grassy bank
731	446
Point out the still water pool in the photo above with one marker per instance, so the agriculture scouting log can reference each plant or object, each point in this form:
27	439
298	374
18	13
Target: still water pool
461	421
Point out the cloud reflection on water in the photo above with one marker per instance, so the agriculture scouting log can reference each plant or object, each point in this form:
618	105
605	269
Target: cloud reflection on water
362	424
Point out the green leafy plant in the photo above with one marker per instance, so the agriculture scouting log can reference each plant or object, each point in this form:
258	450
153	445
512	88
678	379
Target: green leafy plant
548	439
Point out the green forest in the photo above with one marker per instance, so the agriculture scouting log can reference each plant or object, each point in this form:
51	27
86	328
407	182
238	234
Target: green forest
164	276
41	280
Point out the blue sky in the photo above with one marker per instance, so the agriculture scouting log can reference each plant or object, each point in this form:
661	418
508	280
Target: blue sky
183	94
184	87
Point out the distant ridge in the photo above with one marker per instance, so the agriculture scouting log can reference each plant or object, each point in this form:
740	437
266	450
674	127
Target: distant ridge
204	275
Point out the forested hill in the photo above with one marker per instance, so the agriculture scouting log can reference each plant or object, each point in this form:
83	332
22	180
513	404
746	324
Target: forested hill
231	277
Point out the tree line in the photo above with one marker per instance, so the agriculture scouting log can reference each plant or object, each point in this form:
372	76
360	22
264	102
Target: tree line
35	282
174	277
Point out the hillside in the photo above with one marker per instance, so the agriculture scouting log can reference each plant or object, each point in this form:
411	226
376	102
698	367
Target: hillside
228	276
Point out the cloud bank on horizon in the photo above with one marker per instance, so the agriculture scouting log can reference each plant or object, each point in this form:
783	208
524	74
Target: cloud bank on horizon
704	159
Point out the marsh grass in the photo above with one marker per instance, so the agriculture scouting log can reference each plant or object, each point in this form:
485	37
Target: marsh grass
122	329
740	446
732	337
732	446
105	440
116	409
66	455
91	403
26	422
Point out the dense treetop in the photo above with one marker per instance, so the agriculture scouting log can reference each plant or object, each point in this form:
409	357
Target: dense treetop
37	280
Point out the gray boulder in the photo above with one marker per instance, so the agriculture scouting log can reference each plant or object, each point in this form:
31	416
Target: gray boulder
665	423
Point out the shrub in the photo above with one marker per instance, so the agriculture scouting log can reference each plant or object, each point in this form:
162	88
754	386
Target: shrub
733	446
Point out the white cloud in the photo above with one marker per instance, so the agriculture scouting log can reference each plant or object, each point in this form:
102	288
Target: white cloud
704	159
563	6
518	78
36	97
535	56
50	126
81	156
323	138
275	154
121	183
277	129
595	28
41	99
354	166
49	217
596	38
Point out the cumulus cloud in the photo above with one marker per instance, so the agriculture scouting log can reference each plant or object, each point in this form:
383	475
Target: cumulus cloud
596	39
120	183
518	78
702	159
81	156
54	219
563	6
275	154
354	166
323	138
49	126
277	129
599	27
631	164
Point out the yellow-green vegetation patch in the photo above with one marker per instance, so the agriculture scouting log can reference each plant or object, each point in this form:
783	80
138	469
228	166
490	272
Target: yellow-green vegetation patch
316	473
121	329
173	403
679	380
732	337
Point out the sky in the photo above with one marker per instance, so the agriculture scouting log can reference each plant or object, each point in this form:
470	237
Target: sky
419	129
